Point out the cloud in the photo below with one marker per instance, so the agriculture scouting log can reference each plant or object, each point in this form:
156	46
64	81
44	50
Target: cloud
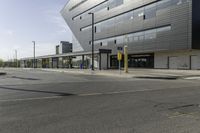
55	17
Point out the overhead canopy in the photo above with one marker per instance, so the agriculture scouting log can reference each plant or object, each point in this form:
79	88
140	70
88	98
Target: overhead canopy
100	51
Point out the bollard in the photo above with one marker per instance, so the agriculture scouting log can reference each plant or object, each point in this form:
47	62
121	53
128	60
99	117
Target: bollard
126	59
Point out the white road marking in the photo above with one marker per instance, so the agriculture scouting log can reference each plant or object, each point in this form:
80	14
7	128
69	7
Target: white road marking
191	78
91	94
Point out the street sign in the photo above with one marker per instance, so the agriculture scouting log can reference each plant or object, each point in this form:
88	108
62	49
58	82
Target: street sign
119	48
119	56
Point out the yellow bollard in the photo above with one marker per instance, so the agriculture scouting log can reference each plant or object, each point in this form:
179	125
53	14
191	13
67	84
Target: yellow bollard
126	59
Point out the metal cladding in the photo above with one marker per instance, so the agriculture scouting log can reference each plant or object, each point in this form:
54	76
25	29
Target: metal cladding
144	25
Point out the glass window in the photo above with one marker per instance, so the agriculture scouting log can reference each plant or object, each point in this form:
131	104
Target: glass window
97	42
150	36
86	28
98	28
141	37
120	40
136	38
110	40
104	42
133	37
130	38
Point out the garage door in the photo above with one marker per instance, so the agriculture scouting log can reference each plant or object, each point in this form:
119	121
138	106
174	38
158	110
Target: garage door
194	62
173	63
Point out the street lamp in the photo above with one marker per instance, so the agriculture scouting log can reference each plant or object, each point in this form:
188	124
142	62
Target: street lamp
33	54
92	39
16	59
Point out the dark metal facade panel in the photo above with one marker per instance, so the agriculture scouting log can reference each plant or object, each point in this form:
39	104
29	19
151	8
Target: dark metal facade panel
195	24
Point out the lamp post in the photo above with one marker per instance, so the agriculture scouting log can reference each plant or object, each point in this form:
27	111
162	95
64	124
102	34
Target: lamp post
16	59
33	54
92	40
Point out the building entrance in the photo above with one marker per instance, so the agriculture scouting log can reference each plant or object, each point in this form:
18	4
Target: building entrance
134	61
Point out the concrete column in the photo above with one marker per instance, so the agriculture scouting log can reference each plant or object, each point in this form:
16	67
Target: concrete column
50	63
39	63
22	64
83	61
36	63
44	65
32	63
70	62
60	62
25	64
108	61
100	61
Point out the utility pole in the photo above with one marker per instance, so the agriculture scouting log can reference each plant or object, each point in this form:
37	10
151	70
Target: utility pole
33	54
92	40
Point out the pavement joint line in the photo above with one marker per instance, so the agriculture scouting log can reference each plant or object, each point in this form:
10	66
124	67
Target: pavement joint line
29	99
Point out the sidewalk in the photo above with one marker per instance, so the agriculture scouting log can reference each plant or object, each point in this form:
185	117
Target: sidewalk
136	73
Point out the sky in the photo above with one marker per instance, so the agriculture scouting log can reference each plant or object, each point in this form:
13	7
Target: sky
24	21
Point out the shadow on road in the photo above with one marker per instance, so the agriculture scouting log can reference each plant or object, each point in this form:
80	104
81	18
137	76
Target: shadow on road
24	78
37	91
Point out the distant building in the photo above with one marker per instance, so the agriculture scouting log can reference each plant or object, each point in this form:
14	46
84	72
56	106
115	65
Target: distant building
57	49
64	47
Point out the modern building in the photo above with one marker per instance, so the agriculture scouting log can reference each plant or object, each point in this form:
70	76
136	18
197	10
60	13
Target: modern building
65	58
64	47
159	33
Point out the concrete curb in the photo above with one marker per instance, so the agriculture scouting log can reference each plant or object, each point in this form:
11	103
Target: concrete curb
123	75
100	73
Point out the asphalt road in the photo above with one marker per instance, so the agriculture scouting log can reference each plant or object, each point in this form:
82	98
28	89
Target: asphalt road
34	101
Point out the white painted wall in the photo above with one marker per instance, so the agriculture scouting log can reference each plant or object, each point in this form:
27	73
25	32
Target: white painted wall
183	59
104	61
